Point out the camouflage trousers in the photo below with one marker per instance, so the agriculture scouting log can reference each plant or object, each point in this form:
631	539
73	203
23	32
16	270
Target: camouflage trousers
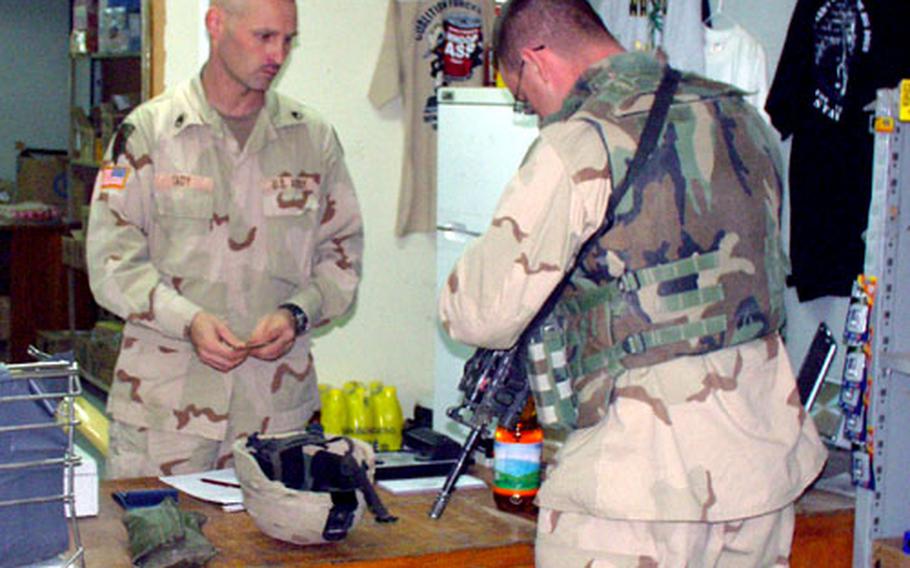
570	540
141	452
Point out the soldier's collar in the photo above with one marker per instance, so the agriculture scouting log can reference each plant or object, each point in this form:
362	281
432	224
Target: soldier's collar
618	76
194	109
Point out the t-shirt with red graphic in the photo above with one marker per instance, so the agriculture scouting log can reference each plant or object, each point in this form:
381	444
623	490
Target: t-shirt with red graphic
428	44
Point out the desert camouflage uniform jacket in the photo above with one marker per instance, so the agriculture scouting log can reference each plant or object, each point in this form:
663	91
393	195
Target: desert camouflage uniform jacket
707	437
182	220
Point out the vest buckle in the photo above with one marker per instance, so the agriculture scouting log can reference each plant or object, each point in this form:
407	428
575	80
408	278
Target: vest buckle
628	282
634	344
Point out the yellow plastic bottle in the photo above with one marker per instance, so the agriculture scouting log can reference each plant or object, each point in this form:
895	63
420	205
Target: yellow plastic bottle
334	413
360	419
373	392
389	420
350	386
323	394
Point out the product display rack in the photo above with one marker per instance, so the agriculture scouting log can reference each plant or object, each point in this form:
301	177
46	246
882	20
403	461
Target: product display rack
883	510
53	385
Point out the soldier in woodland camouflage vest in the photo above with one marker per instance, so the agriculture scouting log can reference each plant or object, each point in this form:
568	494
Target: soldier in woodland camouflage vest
662	358
224	225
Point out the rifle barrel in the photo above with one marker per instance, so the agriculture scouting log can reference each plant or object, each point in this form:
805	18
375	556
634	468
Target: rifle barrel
442	499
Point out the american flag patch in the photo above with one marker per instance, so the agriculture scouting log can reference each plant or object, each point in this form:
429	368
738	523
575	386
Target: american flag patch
114	177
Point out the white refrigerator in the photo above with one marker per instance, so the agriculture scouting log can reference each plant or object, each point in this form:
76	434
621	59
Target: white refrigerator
481	142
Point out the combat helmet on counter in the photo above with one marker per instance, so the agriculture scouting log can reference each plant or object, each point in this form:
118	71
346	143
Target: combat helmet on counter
304	488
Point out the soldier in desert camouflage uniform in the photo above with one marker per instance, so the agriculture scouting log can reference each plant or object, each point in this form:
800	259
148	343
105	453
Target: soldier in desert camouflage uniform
688	443
224	224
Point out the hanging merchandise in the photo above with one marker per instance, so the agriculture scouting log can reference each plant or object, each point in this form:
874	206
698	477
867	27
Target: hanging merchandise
673	26
428	44
836	55
734	56
856	382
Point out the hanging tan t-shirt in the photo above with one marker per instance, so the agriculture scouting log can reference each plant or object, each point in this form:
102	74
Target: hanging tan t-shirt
428	44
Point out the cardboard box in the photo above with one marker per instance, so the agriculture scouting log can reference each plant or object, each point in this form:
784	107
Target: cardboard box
41	176
54	341
888	553
96	351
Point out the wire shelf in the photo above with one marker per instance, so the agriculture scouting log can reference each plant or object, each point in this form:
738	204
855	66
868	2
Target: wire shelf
52	386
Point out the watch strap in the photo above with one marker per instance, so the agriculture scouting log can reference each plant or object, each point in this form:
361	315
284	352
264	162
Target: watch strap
301	322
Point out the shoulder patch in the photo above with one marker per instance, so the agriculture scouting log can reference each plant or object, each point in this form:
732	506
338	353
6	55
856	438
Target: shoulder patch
114	177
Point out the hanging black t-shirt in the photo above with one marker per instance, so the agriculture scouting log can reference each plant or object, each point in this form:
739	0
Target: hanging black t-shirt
836	55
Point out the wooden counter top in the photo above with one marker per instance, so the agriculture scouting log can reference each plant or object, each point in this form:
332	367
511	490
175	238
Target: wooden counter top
472	532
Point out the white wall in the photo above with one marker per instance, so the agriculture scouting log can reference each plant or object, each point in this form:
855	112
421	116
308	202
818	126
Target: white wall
390	336
34	71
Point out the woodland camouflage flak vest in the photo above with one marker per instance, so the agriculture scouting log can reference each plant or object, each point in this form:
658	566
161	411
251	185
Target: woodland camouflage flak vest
693	262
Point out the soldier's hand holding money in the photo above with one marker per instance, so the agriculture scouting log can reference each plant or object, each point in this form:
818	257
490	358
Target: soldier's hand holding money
215	344
273	336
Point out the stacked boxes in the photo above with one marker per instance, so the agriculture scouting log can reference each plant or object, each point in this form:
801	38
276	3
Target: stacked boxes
53	342
95	350
41	176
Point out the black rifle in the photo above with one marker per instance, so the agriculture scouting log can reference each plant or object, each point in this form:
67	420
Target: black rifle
494	382
495	388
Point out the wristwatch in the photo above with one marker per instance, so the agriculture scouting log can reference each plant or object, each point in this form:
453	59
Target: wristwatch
301	322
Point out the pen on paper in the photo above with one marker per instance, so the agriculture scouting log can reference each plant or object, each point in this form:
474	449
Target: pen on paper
219	482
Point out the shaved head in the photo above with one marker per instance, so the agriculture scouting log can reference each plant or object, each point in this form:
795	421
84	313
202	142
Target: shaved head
231	6
562	25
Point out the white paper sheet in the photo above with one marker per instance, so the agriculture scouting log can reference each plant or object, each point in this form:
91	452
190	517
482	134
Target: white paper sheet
217	486
427	484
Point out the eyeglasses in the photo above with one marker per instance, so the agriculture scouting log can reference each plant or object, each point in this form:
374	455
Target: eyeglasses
522	106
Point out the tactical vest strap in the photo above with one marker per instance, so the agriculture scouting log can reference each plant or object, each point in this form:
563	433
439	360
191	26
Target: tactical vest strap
639	343
635	280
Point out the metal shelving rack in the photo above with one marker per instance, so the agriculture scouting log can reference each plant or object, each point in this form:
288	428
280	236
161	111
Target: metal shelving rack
86	88
53	385
884	510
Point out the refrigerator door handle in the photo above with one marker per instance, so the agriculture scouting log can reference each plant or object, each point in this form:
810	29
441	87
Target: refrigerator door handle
456	228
